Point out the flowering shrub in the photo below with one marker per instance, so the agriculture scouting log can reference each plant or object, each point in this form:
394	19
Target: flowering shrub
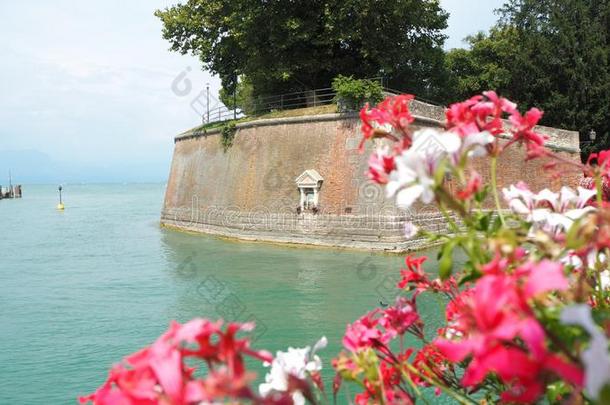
526	317
159	374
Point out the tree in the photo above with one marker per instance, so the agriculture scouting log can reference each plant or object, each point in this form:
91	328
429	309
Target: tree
283	45
485	65
551	53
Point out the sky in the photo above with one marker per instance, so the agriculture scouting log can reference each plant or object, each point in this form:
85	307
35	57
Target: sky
90	92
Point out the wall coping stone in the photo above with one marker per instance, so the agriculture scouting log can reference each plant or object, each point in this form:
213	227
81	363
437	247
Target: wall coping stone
552	143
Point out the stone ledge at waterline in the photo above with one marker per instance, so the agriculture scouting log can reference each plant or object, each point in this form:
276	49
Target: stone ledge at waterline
249	190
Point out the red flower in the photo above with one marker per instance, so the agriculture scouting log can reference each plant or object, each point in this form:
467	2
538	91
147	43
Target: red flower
414	273
523	131
414	276
454	309
472	187
603	161
499	264
461	118
393	112
158	374
430	362
367	125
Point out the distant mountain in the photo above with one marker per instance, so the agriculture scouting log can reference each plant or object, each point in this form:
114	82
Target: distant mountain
35	167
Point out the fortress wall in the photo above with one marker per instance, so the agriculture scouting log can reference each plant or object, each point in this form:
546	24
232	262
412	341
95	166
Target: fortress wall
249	190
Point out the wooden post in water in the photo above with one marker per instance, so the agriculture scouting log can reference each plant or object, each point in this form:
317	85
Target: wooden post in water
10	185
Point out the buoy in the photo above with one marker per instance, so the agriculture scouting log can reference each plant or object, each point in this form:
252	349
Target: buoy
60	206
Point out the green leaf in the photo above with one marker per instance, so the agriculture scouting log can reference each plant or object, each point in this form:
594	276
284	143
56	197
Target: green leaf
496	225
481	195
604	395
483	222
441	170
466	278
445	263
573	239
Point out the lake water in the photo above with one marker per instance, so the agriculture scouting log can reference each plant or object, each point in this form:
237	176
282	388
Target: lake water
84	287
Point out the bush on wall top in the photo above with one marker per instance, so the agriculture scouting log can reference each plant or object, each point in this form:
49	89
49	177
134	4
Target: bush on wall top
352	93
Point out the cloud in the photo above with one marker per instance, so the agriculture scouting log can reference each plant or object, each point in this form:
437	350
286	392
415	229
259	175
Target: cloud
89	83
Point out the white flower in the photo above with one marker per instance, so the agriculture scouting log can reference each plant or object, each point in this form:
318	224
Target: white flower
580	199
296	362
410	181
554	222
566	198
520	199
550	212
476	143
416	166
548	196
595	358
592	256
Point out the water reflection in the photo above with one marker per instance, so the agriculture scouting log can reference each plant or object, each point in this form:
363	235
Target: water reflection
295	295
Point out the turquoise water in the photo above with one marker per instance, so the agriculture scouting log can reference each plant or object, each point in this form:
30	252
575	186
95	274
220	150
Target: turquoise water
84	287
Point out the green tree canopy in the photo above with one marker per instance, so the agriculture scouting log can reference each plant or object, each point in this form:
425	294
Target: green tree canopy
548	53
481	67
285	45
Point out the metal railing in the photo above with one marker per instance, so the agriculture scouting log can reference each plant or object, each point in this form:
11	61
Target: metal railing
286	101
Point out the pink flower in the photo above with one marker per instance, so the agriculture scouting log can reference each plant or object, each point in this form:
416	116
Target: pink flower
397	319
490	319
363	333
543	277
381	164
461	118
479	114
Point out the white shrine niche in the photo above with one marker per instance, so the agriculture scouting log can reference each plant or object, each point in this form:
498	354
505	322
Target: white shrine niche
309	183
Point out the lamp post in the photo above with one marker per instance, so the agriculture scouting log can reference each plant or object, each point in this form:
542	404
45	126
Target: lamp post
235	96
207	88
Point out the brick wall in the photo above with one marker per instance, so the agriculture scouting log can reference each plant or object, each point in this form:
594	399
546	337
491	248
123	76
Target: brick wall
249	192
